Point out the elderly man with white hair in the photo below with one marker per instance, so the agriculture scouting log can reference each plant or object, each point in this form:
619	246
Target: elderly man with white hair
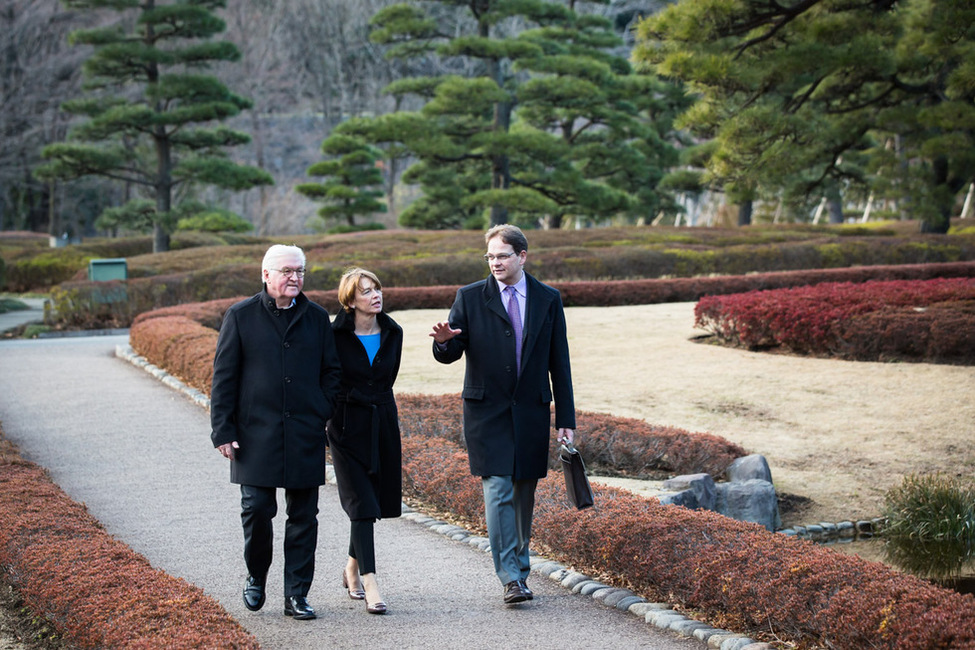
276	376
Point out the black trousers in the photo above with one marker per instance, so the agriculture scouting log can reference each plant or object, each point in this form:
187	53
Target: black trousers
258	506
362	545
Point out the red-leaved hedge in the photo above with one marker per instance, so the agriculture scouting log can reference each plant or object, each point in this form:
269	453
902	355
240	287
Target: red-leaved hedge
180	345
732	570
95	590
927	320
611	445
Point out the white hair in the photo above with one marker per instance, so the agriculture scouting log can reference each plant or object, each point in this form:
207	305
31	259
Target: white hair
278	251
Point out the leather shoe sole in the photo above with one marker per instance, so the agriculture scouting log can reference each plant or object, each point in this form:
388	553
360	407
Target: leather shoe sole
253	594
513	593
298	608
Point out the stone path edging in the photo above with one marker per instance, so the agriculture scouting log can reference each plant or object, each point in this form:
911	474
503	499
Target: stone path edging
659	615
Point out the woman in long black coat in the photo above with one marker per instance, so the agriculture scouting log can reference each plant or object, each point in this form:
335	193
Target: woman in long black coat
363	434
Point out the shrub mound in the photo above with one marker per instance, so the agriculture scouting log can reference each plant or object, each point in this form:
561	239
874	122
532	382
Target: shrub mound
91	305
917	320
182	346
706	562
613	446
417	258
126	603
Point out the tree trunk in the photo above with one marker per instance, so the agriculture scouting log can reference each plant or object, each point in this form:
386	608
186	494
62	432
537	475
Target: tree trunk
164	193
745	213
942	222
500	169
164	162
967	207
836	210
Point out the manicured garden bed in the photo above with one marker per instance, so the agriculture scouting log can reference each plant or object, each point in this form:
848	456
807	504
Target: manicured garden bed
732	571
911	320
736	572
94	589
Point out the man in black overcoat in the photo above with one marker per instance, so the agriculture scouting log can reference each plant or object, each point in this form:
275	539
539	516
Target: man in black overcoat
517	362
276	375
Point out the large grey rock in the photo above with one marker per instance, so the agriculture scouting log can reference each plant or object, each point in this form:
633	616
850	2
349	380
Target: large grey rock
752	500
749	467
684	498
701	486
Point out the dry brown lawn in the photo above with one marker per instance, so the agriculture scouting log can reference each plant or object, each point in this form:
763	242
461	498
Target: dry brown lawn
838	433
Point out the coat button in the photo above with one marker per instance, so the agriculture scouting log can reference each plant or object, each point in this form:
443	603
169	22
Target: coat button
287	345
287	380
287	414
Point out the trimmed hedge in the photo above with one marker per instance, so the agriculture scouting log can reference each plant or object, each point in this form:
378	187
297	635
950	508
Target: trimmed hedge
726	569
918	320
90	305
612	445
180	345
52	550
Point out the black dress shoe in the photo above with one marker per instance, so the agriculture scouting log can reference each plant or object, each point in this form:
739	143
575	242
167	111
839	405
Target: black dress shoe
513	593
253	594
298	607
528	592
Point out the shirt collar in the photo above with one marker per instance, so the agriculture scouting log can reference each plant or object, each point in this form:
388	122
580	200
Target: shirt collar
521	286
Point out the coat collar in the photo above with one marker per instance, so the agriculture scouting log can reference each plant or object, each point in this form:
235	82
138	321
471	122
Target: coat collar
346	322
300	302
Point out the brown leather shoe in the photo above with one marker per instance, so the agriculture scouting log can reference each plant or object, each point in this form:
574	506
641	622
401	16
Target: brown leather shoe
528	592
513	593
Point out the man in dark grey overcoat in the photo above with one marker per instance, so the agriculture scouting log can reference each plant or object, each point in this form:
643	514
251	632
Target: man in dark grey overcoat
511	328
276	376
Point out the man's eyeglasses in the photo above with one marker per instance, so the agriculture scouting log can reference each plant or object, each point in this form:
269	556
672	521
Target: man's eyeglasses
289	272
500	256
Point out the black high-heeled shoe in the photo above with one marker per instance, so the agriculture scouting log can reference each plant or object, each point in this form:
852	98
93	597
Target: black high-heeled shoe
354	594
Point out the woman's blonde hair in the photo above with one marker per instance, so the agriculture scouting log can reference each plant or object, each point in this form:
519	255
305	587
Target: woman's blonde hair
350	282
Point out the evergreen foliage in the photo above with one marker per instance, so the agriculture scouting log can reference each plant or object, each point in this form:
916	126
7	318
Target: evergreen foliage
540	120
822	98
150	113
351	185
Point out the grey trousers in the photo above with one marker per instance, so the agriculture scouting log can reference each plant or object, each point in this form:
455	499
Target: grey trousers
508	508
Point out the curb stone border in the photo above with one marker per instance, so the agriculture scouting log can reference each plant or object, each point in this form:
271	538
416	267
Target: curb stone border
659	615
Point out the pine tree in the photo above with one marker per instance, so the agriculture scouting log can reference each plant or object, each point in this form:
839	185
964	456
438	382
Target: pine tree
541	121
152	112
878	95
352	182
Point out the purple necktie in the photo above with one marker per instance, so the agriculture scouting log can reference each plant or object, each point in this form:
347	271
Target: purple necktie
514	313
